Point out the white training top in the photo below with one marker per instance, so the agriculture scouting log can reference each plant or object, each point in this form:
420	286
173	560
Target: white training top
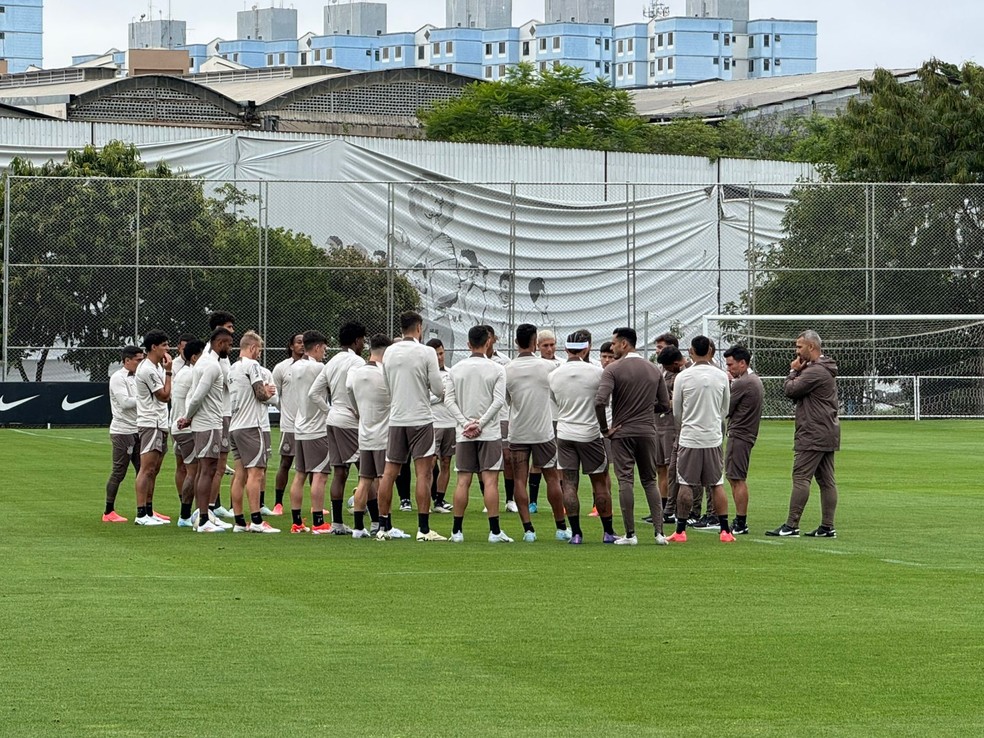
477	391
701	395
283	381
502	361
554	412
273	401
340	414
151	412
177	364
370	399
573	386
181	387
311	420
210	382
412	374
123	402
528	395
442	415
247	411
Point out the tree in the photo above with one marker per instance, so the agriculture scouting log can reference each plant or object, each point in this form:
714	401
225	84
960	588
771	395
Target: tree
557	107
76	231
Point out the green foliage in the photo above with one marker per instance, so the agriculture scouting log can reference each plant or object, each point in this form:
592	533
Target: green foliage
77	228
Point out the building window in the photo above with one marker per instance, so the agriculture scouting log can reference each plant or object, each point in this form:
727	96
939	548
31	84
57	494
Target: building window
269	60
716	62
556	43
652	45
421	52
659	40
765	40
619	46
717	36
727	65
778	38
630	45
449	48
630	69
669	64
543	66
652	69
317	55
437	49
669	38
659	65
765	65
398	53
556	64
608	67
488	49
502	70
778	63
330	54
751	66
543	44
727	39
283	59
488	72
608	44
751	42
526	48
386	53
304	58
618	70
502	48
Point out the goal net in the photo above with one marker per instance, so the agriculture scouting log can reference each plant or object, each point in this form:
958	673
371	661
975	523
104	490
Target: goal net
909	366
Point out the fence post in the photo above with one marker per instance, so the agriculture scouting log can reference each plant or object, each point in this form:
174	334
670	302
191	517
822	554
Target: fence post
511	312
263	257
136	276
6	274
629	295
390	257
917	397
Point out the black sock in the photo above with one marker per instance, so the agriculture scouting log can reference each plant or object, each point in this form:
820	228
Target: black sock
218	500
606	525
279	499
437	470
262	497
662	508
385	522
423	522
723	519
561	524
212	506
141	511
360	519
336	511
240	520
741	521
296	517
439	500
185	510
456	526
256	518
494	526
510	489
535	486
528	528
681	525
109	508
318	517
575	524
373	507
629	533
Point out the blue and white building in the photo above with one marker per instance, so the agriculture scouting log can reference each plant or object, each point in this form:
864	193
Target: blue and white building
21	30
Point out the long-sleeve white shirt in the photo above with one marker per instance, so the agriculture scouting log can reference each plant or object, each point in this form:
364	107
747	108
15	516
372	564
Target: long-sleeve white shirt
181	386
210	393
283	381
476	391
701	396
333	376
371	401
311	420
530	404
412	374
123	402
442	415
573	387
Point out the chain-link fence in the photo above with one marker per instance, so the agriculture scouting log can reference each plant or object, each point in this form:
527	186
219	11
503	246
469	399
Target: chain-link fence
92	264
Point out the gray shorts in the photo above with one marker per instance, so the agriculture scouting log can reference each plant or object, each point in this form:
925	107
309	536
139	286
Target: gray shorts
125	448
184	447
251	447
311	457
587	456
472	457
664	444
634	454
544	455
208	444
152	440
287	444
343	445
700	467
444	442
410	442
372	463
737	454
225	440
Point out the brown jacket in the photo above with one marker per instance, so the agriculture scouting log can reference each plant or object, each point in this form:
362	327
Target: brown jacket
814	390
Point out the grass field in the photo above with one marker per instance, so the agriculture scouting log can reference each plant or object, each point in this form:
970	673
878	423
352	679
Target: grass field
114	630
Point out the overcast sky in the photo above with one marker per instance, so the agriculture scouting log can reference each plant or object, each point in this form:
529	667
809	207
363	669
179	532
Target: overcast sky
853	34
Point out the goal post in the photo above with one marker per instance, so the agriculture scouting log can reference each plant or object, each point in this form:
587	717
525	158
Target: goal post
890	366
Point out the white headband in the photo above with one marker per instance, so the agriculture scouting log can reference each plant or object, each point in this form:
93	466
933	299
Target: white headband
577	346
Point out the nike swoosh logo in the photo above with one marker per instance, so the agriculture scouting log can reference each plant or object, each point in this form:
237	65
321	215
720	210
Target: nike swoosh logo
5	406
69	406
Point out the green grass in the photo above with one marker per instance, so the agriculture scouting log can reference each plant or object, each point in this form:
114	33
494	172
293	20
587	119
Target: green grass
114	630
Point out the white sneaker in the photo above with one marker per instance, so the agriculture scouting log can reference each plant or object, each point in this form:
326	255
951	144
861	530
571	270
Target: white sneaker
185	523
374	529
155	516
511	506
229	471
563	535
240	528
392	533
529	536
340	529
627	541
222	512
149	520
216	521
263	527
363	533
209	527
431	535
499	537
266	510
458	537
660	540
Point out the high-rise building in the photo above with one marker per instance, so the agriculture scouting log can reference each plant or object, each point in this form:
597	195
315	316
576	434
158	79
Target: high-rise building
736	10
478	13
579	11
20	34
163	33
267	24
355	19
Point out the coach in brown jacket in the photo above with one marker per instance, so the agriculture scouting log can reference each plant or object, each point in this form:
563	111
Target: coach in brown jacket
812	385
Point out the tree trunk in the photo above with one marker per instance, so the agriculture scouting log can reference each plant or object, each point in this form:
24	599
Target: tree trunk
41	362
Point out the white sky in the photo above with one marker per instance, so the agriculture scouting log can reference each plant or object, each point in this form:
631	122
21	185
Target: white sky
853	34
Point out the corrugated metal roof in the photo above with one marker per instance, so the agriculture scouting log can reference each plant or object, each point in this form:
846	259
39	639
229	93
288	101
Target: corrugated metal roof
721	98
